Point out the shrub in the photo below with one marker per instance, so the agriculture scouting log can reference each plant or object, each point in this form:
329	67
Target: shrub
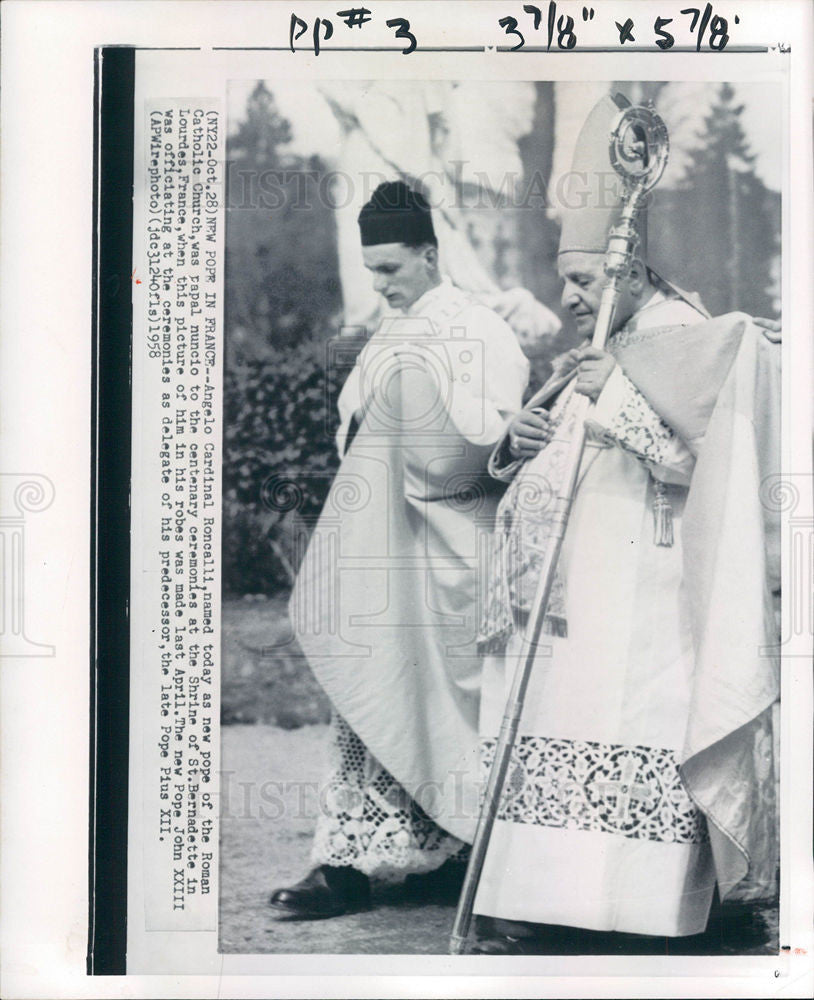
279	457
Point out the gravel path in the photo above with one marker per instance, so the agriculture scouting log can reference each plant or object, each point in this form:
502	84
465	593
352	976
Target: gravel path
266	828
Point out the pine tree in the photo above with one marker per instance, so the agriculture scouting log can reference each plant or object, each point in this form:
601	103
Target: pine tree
723	133
726	222
263	131
282	278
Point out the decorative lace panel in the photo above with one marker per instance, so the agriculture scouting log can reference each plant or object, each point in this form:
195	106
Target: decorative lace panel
369	822
524	525
639	429
632	791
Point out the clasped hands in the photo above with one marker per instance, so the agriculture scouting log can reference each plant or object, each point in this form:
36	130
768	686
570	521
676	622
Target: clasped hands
532	429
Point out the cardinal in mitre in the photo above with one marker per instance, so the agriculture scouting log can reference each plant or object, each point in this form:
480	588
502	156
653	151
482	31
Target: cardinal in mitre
641	783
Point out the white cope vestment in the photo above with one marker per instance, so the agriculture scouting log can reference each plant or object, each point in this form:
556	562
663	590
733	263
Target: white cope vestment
386	603
595	828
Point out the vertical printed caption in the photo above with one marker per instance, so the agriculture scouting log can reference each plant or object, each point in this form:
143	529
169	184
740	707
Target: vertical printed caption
177	564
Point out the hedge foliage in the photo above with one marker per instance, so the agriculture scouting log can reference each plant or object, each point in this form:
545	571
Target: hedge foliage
279	456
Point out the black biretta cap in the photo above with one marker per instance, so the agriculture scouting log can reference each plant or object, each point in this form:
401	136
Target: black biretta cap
396	214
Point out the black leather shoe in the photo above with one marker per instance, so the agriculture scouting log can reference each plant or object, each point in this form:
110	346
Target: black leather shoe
324	892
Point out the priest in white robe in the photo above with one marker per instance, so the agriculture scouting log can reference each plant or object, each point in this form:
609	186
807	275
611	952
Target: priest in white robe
642	775
385	606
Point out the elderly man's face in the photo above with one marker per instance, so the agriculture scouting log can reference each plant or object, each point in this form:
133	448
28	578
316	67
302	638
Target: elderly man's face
402	274
584	277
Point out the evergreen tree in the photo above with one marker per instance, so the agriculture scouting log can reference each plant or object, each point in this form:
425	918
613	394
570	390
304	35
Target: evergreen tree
725	222
262	132
723	133
282	271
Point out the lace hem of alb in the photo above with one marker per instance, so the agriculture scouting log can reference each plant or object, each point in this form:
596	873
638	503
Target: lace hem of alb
368	821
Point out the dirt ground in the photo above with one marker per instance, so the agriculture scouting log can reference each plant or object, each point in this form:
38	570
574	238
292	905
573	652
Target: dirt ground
274	716
265	676
266	828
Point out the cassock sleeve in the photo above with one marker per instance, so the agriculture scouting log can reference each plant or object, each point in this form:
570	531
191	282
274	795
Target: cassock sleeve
622	416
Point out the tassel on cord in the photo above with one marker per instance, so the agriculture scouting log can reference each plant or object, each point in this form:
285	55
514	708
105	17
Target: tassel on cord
555	625
662	516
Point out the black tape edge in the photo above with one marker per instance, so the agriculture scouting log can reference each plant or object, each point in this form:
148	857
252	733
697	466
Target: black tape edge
113	95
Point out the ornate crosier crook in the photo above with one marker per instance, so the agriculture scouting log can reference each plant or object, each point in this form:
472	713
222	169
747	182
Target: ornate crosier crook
639	146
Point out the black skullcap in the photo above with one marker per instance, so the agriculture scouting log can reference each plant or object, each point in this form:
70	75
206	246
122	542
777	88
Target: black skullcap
396	214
